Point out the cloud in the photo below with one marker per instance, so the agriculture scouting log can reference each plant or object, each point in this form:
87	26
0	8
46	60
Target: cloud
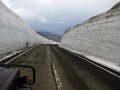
47	1
64	13
43	20
58	8
62	20
24	13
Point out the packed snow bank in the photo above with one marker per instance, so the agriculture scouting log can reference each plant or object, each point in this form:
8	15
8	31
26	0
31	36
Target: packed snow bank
14	33
98	38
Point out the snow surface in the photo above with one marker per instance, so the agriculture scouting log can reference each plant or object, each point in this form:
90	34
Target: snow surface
97	38
15	34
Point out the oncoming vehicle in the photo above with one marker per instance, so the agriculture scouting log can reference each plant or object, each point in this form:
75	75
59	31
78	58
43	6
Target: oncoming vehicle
16	77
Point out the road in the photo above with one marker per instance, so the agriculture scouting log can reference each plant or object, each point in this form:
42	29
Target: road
74	73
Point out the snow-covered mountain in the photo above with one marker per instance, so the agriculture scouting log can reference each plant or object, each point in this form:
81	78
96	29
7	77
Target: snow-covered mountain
14	33
97	38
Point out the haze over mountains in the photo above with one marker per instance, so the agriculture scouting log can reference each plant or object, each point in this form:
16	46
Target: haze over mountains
97	38
51	36
15	33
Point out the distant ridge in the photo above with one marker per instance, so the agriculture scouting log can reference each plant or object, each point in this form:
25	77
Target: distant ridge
51	36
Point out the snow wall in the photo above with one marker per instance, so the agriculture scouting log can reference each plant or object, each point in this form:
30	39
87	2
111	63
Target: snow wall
97	38
14	33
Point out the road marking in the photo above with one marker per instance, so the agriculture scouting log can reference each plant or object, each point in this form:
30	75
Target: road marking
57	78
20	55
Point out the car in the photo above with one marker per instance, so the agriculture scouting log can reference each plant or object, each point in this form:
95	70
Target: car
16	77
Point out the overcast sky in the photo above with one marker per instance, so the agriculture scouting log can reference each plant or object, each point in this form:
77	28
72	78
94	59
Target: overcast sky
57	15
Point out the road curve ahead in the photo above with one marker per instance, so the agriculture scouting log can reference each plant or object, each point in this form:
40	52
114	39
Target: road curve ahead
74	72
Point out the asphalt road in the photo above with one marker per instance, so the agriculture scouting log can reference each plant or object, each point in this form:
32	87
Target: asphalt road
75	74
39	57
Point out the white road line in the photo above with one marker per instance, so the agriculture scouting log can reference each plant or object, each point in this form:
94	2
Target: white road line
19	55
6	57
57	78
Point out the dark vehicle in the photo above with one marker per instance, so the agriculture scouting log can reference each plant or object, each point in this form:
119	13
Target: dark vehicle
16	77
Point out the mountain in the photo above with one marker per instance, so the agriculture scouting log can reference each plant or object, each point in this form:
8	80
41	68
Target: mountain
51	36
97	38
15	34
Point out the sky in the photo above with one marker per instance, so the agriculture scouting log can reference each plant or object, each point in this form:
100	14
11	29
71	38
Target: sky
57	15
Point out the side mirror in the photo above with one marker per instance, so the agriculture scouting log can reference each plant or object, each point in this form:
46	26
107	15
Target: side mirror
26	73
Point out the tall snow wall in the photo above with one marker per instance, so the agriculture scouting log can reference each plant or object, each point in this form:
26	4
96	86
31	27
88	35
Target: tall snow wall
97	38
14	33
